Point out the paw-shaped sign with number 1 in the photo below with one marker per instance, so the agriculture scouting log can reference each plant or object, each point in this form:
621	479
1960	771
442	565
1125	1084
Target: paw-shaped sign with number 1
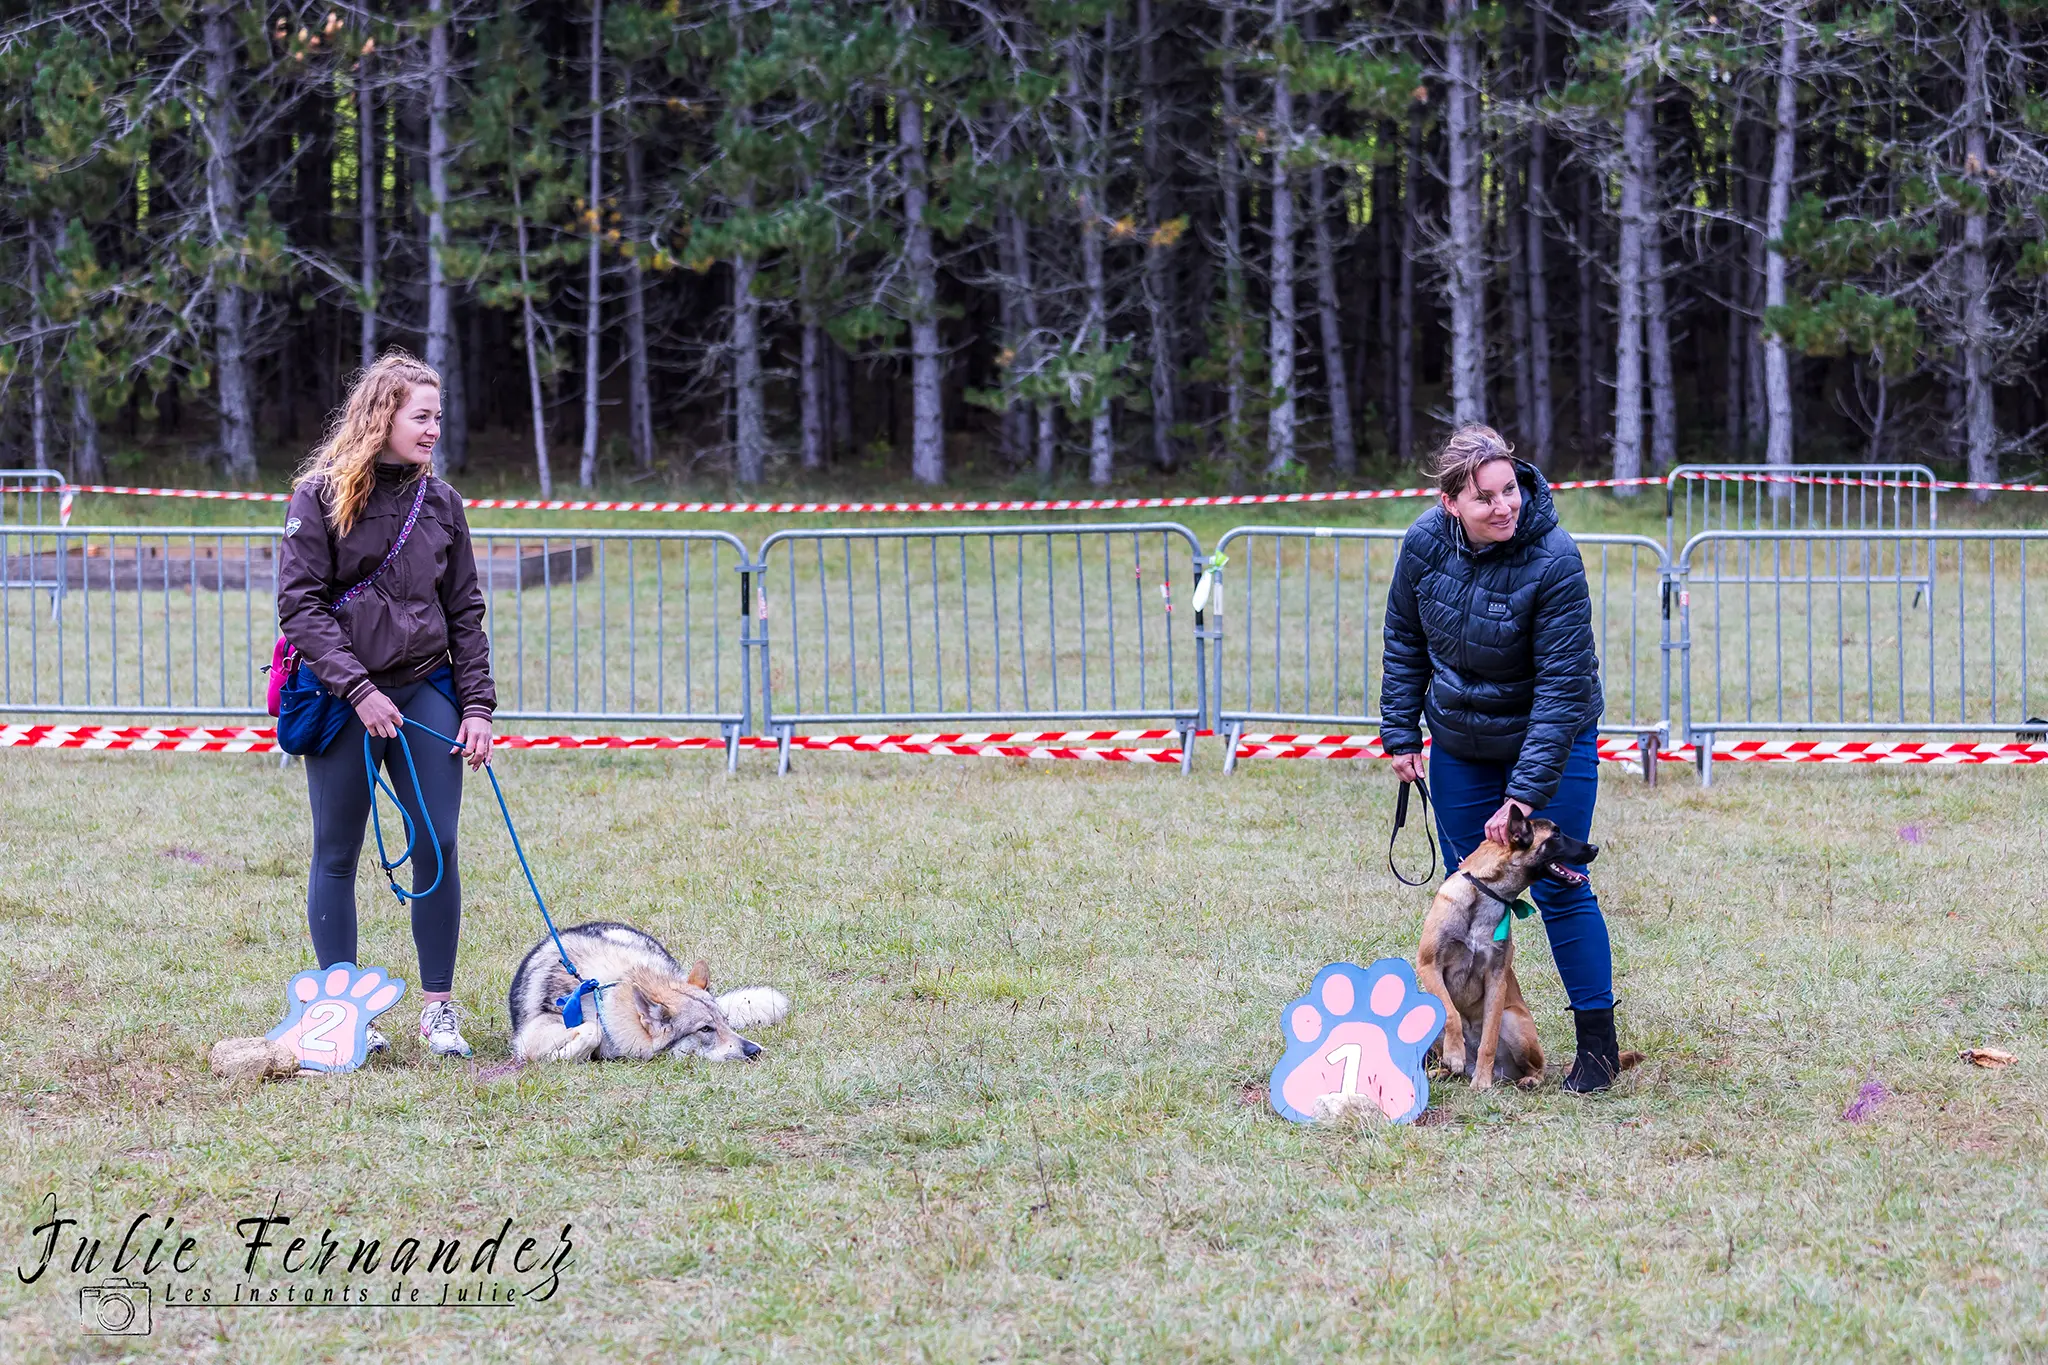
328	1012
1359	1031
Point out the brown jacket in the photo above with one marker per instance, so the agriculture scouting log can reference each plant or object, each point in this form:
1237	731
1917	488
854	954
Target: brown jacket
424	611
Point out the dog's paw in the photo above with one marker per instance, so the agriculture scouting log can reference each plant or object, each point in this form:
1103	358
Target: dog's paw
1360	1031
579	1044
328	1011
544	1039
752	1007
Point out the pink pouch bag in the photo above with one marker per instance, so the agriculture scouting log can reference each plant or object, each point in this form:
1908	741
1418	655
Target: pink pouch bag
283	659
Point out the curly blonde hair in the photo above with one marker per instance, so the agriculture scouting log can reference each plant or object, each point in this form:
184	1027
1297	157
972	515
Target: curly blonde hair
1470	449
346	461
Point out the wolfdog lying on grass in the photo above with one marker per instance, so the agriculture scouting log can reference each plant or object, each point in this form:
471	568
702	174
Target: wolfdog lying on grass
648	1006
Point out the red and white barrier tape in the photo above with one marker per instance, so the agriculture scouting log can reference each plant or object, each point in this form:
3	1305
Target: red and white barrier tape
972	737
1869	751
985	505
1620	750
254	740
1007	744
1043	504
230	739
1126	746
1614	750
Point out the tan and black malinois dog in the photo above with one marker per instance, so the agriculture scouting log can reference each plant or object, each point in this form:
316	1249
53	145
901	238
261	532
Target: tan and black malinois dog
1462	964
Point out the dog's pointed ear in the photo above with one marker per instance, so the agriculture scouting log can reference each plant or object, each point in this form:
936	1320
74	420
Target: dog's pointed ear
652	1011
700	975
1520	831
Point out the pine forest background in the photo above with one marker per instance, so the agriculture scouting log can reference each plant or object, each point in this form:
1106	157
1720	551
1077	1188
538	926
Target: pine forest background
1026	241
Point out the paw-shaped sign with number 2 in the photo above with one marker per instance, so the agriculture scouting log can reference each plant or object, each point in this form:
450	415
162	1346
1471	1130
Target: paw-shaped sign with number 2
328	1012
1359	1031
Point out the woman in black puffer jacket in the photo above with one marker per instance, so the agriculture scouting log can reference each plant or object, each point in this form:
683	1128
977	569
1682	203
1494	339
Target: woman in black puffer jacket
1489	634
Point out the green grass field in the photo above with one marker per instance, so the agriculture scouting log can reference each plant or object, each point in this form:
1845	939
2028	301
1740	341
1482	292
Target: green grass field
1018	1111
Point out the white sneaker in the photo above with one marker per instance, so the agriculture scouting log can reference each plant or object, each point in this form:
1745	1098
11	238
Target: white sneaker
374	1040
438	1027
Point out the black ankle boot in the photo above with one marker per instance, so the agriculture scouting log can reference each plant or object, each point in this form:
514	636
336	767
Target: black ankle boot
1599	1059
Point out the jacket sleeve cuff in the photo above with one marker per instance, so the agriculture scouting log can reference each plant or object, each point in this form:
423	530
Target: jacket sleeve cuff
362	688
1401	738
476	710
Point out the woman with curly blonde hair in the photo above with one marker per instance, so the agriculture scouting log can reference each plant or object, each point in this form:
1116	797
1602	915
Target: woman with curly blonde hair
377	591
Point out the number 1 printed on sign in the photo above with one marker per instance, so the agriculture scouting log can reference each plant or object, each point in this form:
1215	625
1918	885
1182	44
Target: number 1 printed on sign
1347	1057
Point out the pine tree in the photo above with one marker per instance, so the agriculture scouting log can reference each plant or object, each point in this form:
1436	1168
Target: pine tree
515	216
69	172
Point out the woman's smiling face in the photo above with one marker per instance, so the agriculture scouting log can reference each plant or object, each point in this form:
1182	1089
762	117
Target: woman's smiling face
416	428
1490	506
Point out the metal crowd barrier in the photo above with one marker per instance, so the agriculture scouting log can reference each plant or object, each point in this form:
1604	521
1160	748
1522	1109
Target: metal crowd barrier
1309	643
1834	631
1860	631
585	626
1829	497
152	622
980	625
33	497
648	621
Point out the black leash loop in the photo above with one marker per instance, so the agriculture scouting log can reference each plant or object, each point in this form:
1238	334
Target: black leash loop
1400	820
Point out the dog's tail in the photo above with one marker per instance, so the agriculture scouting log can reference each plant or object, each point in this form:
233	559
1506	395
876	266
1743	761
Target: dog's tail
752	1007
1629	1059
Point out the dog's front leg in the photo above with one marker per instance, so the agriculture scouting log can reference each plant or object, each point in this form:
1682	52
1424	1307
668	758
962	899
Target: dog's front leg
581	1043
1451	1046
1489	1029
546	1039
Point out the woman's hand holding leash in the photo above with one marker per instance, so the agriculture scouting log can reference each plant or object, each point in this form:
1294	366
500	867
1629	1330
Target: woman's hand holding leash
1408	767
473	740
1497	827
379	714
381	717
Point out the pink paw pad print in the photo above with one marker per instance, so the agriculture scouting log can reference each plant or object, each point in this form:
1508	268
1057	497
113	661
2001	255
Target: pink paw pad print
328	1012
1359	1031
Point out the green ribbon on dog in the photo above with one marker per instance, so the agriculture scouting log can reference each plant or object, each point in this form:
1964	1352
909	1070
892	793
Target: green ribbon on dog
1522	910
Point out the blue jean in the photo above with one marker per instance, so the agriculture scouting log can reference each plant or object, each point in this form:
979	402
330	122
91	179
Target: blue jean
1467	793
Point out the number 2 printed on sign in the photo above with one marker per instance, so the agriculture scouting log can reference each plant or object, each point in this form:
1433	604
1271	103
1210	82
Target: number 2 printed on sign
328	1013
320	1021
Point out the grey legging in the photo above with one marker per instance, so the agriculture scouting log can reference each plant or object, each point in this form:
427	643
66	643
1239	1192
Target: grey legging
340	792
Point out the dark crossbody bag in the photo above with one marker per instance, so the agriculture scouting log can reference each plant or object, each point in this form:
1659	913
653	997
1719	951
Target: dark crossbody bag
308	715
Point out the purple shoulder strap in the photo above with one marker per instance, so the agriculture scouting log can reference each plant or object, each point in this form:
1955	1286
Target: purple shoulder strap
403	532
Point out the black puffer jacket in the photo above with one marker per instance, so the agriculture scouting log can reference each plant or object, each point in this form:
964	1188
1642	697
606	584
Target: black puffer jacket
1494	643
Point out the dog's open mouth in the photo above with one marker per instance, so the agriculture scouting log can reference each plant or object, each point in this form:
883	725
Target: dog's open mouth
1559	872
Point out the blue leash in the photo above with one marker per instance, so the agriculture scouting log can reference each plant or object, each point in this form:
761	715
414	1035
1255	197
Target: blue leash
377	783
570	1005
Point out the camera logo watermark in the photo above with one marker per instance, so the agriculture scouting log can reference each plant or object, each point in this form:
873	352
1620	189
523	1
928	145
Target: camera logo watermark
118	1308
